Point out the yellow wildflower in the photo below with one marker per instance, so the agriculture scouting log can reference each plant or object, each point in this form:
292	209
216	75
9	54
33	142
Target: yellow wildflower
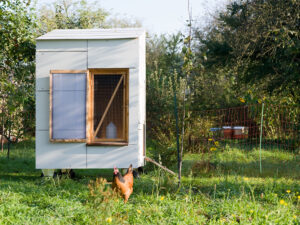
216	143
282	202
246	178
210	139
298	197
162	198
213	149
295	217
251	211
139	211
242	100
288	191
109	219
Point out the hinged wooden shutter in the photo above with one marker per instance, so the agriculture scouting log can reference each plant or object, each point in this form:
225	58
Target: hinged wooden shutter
67	106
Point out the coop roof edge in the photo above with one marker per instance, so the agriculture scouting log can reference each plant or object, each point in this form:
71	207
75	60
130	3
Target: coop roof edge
94	34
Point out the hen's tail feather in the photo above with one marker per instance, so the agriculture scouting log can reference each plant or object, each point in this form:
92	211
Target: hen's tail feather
129	170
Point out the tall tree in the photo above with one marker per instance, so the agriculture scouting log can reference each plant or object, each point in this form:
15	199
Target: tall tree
17	31
70	14
258	42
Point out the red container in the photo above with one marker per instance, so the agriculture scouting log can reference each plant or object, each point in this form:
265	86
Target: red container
228	132
240	132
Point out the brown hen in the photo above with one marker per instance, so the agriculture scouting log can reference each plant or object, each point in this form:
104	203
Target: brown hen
123	184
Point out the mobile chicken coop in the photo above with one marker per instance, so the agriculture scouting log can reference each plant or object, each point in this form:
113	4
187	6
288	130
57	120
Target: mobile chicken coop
90	99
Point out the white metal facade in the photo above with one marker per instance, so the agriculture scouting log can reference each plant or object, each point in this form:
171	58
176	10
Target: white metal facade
81	50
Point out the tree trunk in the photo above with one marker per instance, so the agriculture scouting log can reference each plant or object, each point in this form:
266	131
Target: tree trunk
8	142
2	132
8	148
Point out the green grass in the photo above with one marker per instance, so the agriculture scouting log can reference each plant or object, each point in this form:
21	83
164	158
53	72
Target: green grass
232	191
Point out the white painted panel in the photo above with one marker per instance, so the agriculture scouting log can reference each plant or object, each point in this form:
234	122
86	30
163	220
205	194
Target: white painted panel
42	110
141	144
46	61
110	156
118	53
61	45
114	33
133	106
142	97
58	155
142	78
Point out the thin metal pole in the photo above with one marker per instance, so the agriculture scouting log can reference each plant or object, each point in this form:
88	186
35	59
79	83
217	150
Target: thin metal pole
260	139
182	138
177	130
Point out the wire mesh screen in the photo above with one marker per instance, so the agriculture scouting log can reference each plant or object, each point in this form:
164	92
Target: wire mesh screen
113	124
240	127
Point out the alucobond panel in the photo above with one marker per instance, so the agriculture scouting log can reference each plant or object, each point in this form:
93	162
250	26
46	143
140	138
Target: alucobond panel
142	79
110	156
118	53
114	33
61	45
46	61
58	155
42	110
68	106
133	106
140	144
142	99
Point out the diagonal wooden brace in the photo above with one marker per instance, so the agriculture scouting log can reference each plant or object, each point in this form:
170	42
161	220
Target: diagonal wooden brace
108	105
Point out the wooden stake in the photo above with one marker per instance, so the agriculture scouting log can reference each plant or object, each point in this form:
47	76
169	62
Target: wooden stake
161	166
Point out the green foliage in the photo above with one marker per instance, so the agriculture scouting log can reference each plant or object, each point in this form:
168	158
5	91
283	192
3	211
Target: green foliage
17	53
71	14
163	53
281	117
101	192
197	128
160	114
258	41
234	191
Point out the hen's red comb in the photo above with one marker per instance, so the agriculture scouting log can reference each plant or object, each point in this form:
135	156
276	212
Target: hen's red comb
115	170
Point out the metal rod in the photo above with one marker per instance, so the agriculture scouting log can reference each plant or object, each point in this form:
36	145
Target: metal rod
177	130
260	139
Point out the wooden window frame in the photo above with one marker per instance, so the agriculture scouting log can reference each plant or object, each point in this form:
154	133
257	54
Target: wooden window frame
79	140
90	134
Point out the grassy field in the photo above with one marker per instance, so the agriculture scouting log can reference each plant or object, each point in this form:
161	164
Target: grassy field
227	190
